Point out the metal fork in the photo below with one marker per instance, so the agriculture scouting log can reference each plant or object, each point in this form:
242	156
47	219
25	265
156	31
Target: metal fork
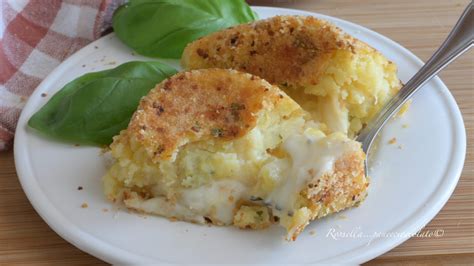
459	40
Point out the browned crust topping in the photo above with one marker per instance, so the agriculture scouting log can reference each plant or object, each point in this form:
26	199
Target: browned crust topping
289	50
346	186
200	104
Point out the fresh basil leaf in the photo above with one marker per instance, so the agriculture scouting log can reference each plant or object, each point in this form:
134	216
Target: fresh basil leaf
97	106
163	28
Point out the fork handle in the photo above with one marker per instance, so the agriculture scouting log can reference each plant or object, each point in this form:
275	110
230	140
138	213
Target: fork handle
458	41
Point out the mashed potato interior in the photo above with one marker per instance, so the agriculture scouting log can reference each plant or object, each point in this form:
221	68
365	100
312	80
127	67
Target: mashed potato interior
351	90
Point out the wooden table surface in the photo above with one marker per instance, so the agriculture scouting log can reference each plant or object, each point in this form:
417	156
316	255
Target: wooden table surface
420	26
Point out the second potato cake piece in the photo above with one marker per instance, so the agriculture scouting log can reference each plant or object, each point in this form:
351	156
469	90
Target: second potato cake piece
340	80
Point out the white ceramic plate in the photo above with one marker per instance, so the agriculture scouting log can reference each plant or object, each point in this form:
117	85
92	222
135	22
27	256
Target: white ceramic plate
409	185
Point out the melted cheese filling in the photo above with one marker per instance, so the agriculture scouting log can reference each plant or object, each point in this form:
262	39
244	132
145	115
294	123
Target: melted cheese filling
215	201
309	155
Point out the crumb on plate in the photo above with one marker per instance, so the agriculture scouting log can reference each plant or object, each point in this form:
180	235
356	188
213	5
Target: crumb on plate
342	217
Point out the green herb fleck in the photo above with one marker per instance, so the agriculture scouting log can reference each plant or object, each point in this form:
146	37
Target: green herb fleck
217	132
235	110
196	128
237	106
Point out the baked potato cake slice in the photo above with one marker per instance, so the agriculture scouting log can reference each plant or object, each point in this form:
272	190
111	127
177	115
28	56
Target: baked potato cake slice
340	80
225	147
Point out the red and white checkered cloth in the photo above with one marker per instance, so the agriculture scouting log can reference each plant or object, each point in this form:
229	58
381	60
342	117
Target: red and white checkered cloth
35	37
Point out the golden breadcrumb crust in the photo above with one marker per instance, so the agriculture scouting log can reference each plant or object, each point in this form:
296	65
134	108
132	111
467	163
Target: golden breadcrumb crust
345	185
199	104
290	50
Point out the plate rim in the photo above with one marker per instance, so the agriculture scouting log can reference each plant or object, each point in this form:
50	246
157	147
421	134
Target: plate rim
103	250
